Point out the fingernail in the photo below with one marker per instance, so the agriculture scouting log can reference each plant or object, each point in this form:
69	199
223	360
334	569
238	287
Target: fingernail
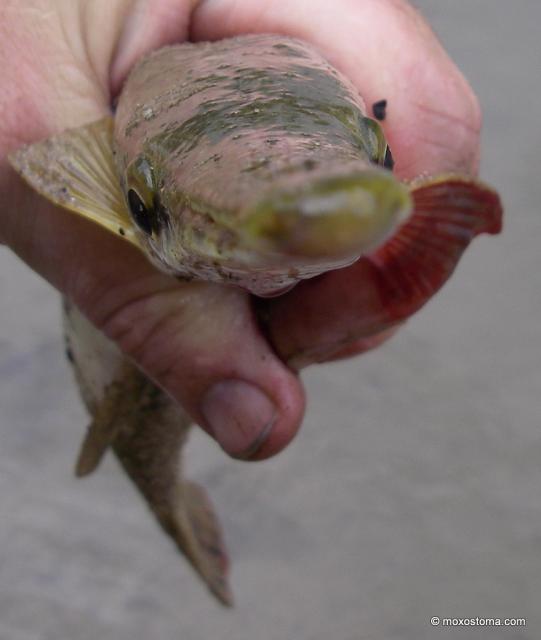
239	415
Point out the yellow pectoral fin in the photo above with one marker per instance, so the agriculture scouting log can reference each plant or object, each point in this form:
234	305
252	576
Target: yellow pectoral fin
76	170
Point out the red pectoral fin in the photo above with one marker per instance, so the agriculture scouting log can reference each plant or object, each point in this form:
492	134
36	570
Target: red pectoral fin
448	213
323	317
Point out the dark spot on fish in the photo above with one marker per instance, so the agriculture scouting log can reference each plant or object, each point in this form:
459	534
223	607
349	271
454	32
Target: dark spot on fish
151	401
379	109
69	354
121	231
310	164
214	550
161	216
388	162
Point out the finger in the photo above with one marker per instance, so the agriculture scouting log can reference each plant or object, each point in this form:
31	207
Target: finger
198	341
389	52
148	25
325	315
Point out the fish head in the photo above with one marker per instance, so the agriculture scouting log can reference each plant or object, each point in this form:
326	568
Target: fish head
305	222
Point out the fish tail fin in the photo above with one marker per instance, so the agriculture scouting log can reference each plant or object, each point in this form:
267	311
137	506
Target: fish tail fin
448	212
188	517
194	527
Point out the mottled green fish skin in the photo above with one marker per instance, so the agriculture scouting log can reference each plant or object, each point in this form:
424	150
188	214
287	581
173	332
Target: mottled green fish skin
241	146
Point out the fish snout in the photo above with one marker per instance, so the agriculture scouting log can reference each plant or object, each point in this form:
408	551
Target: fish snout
332	218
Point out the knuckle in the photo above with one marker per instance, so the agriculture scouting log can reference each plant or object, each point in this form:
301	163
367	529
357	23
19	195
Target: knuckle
143	331
449	131
179	336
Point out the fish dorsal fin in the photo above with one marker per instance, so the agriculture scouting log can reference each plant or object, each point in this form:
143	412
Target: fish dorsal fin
76	170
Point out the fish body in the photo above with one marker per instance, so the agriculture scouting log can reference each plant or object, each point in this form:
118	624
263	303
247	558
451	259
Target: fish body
249	161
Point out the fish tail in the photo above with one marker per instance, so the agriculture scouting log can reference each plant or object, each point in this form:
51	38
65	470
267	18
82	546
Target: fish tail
447	214
148	447
146	430
196	531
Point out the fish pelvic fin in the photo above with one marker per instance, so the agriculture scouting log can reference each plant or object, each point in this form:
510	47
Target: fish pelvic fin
116	411
448	212
76	170
100	435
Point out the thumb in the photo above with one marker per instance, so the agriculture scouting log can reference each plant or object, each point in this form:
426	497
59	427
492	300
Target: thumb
200	342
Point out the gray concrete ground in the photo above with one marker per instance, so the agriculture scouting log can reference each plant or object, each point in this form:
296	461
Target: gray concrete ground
413	491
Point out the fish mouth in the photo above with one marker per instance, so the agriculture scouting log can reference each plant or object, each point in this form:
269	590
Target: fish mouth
332	219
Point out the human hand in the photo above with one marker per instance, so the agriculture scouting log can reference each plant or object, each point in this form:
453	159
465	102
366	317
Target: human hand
64	61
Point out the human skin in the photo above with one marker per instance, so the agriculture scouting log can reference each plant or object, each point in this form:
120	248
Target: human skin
64	61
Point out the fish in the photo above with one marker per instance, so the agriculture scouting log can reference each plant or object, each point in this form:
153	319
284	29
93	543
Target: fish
251	162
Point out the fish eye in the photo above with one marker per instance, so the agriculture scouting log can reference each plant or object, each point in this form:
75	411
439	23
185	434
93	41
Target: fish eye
375	144
142	215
